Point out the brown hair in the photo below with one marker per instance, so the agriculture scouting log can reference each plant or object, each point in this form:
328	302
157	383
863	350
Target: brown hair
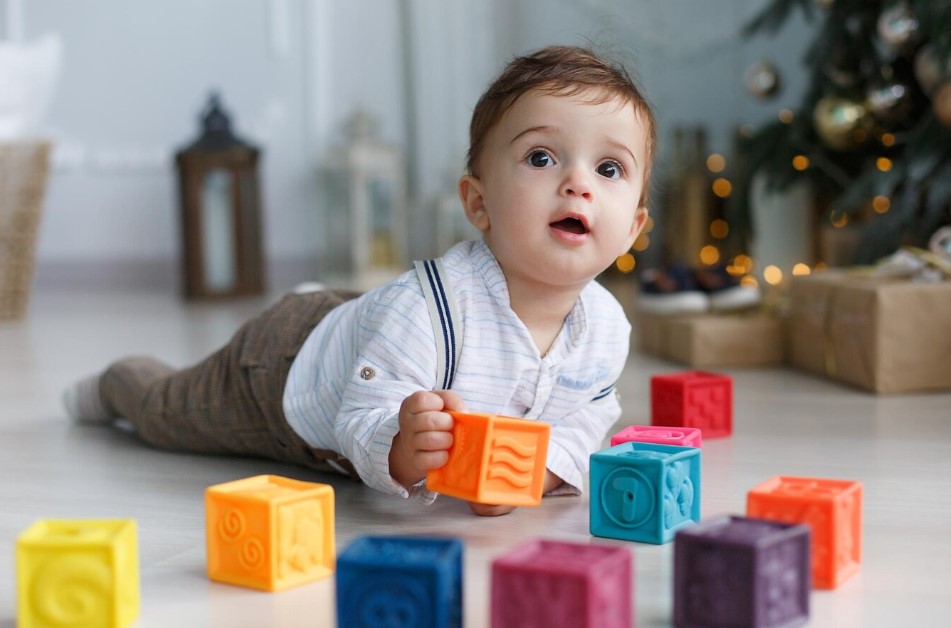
563	71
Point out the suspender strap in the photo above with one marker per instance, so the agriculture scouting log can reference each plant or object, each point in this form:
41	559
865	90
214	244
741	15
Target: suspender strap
447	324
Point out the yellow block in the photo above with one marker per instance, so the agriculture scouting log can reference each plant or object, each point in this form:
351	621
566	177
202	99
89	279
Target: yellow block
270	533
78	573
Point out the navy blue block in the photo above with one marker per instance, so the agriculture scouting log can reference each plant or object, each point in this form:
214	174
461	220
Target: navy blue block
400	582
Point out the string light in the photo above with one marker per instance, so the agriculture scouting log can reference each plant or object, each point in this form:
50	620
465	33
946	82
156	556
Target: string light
626	263
722	187
719	229
649	225
884	164
709	255
888	139
716	163
749	280
881	204
838	219
772	275
801	269
642	242
786	116
743	261
800	162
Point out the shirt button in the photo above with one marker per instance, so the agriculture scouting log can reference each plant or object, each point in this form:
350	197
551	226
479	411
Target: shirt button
367	373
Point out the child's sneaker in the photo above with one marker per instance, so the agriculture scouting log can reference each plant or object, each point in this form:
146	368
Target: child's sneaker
671	291
724	290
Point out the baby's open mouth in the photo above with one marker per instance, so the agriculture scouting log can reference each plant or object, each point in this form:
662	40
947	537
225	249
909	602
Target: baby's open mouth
571	225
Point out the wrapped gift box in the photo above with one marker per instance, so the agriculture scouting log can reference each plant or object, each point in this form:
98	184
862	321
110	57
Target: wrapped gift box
720	340
652	330
714	340
885	335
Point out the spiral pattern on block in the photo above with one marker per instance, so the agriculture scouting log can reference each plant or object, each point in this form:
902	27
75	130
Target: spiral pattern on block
231	526
252	554
71	590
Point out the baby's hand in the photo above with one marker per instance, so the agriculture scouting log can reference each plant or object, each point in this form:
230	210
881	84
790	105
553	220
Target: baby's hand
425	435
490	510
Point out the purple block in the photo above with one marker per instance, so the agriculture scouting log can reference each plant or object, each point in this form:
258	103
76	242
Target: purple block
736	571
552	584
680	436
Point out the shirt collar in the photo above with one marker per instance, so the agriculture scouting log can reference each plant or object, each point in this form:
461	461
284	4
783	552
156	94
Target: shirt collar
575	323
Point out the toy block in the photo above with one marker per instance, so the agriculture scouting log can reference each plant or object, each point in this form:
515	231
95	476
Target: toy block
680	436
400	581
644	492
555	584
693	399
833	511
78	573
268	532
734	571
494	459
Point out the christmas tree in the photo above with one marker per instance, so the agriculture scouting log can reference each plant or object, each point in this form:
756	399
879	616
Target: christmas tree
872	136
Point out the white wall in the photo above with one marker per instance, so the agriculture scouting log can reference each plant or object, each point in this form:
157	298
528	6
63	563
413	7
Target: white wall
136	74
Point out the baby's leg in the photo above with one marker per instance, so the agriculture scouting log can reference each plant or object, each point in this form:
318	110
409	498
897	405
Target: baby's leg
123	386
206	408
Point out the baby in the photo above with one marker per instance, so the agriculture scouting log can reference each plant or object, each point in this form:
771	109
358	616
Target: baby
558	174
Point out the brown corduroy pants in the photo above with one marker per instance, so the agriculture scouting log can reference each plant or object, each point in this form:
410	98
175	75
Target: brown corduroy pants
231	402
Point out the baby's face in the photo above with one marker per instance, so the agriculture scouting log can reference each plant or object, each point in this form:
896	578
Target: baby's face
560	180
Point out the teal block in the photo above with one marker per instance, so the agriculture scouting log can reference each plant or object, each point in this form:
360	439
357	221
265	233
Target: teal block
644	492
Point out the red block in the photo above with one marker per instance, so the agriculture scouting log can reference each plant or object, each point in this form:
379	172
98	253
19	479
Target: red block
693	399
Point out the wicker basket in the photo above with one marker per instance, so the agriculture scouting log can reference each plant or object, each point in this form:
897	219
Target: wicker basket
23	170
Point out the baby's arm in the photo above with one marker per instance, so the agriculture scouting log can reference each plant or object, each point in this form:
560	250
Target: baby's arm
425	435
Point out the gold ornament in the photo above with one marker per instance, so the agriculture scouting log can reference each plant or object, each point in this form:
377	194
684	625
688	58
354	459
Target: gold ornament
888	102
842	124
941	103
762	79
898	27
929	70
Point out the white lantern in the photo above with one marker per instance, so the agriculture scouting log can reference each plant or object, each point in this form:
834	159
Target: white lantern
367	184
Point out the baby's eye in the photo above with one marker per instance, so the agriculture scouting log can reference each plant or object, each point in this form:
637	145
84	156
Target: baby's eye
539	159
610	169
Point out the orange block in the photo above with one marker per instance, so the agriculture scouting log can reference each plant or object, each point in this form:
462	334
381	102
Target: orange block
494	460
833	511
269	532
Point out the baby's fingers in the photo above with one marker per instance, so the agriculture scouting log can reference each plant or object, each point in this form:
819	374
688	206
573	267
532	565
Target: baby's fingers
427	460
432	440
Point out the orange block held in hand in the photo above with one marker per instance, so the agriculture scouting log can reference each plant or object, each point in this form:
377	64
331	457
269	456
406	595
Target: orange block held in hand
494	460
268	532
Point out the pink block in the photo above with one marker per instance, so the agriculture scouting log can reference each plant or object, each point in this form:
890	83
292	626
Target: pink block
680	436
693	399
554	584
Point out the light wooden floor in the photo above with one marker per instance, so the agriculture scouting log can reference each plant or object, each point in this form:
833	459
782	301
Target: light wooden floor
785	423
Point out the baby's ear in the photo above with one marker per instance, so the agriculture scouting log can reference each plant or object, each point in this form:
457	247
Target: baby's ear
473	201
640	219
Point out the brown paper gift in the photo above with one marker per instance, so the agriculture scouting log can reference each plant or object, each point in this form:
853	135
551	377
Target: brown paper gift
721	340
885	335
652	331
713	340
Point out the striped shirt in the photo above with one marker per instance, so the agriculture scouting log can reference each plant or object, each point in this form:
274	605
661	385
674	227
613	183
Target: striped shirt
345	386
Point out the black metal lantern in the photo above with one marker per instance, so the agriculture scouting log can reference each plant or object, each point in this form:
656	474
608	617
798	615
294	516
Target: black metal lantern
221	211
